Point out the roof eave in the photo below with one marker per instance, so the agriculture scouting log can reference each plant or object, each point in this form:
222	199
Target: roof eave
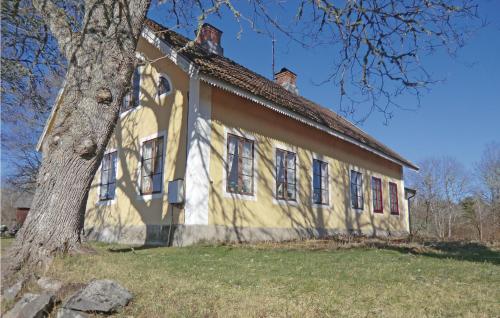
192	70
264	102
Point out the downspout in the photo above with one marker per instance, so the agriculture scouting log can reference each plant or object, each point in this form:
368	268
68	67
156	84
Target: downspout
409	210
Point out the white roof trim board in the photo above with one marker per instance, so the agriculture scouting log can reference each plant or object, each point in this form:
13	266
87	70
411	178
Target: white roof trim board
259	100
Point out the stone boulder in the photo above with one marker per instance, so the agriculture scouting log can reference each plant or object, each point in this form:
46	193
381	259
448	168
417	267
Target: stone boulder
32	306
68	313
49	284
11	293
100	296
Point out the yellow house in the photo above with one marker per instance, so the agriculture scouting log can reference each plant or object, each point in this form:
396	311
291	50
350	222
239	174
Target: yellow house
207	150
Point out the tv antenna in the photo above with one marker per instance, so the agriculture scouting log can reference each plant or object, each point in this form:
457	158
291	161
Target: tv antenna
273	67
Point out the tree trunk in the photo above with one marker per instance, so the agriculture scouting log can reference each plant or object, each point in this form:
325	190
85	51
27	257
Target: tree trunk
480	225
101	57
449	226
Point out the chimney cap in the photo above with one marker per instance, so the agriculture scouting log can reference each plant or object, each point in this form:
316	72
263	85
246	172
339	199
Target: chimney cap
206	24
284	70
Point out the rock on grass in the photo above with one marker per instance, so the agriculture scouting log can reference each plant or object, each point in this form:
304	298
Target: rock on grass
11	293
32	306
101	296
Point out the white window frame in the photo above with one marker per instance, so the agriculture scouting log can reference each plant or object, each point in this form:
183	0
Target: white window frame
151	196
249	136
330	179
297	173
382	180
398	186
112	201
363	175
159	76
141	68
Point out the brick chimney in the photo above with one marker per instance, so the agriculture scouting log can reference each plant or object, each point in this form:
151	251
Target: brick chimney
210	38
287	79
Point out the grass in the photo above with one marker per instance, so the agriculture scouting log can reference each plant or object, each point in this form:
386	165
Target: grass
309	279
299	279
5	243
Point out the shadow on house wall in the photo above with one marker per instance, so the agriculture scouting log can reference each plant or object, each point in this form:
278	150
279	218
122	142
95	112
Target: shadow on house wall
231	218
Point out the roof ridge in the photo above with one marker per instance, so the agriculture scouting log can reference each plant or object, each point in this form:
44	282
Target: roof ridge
276	91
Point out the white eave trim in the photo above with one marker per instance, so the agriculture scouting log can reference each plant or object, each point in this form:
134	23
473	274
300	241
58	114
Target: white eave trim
264	102
51	117
186	65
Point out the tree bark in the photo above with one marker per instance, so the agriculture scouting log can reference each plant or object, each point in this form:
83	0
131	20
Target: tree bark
101	57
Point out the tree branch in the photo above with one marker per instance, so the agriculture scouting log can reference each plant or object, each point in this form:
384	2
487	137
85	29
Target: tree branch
58	23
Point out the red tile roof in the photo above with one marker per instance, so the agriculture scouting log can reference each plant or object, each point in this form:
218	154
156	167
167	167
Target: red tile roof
228	71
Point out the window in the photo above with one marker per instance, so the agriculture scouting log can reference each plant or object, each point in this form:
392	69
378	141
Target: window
320	182
131	100
108	177
164	85
393	196
378	205
152	166
239	165
356	190
285	175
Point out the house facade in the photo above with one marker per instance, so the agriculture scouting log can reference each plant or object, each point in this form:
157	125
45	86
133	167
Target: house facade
207	150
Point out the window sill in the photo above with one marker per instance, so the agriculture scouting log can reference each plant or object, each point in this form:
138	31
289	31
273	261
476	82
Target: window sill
357	210
149	197
321	205
285	202
131	110
106	202
247	197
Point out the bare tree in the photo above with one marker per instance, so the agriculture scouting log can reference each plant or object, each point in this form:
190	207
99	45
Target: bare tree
488	175
441	184
380	45
100	55
475	214
32	71
379	41
455	187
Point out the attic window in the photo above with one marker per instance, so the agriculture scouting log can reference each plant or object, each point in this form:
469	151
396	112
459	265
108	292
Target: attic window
164	85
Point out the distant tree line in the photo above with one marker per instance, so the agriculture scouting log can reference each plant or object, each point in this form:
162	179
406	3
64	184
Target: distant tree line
453	202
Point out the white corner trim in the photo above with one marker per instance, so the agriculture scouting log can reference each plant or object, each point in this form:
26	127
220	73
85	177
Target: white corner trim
199	134
407	206
311	174
247	135
259	100
293	149
148	197
100	202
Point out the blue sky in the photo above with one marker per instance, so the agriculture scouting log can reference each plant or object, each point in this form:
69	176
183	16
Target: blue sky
457	117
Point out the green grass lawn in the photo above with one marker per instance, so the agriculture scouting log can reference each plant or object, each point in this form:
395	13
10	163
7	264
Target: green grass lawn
296	280
5	243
